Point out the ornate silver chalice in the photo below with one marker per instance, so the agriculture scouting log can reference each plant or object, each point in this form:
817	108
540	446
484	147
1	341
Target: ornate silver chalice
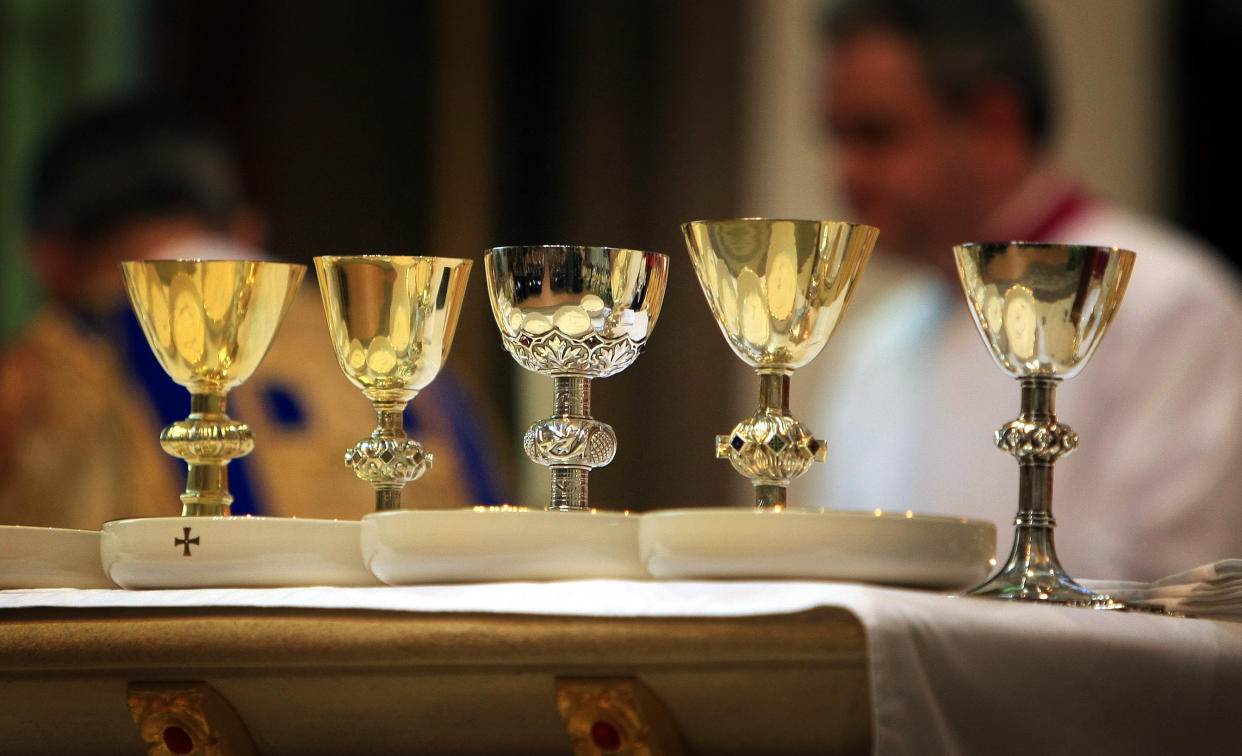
575	314
1042	309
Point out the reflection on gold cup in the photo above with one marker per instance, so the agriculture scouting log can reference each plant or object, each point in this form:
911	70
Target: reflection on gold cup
1042	309
392	321
778	289
574	313
209	322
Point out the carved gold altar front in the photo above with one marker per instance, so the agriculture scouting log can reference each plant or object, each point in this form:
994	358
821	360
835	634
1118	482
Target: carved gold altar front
321	682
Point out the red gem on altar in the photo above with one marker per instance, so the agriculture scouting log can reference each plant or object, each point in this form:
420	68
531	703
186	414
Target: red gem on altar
605	736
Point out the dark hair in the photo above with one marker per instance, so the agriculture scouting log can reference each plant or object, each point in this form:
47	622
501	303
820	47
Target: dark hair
965	45
131	160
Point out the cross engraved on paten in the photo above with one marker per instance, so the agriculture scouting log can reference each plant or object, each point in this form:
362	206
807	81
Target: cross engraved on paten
186	541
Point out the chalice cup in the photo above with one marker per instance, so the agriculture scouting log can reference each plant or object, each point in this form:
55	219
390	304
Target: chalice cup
209	322
778	289
575	314
1042	310
392	320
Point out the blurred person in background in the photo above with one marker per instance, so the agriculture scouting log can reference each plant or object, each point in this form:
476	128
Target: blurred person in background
82	396
941	116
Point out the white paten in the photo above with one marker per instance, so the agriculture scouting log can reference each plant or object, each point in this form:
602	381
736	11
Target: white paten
880	547
499	543
232	552
50	558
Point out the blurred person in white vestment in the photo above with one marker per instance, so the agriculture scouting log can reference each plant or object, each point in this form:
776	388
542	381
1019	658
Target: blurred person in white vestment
940	115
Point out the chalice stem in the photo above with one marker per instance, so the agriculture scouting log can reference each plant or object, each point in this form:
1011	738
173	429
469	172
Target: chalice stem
572	399
571	442
207	440
1036	439
1034	552
573	396
207	480
207	491
569	489
389	459
771	447
1035	472
774	396
391	425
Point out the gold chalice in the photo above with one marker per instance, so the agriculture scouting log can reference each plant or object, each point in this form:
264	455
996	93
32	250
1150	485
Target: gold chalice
574	313
209	322
392	321
778	289
1042	310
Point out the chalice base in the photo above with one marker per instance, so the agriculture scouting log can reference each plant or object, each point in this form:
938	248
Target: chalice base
1030	575
50	558
487	544
232	552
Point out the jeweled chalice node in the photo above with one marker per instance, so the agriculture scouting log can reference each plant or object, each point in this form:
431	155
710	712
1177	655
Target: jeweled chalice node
574	313
210	323
777	289
1042	310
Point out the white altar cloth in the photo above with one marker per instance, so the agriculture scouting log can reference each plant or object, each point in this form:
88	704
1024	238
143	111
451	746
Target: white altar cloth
948	675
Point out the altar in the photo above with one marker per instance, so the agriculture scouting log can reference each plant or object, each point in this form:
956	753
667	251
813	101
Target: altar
700	630
700	667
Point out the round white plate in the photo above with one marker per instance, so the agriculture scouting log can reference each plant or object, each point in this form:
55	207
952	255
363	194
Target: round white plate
874	547
232	552
50	558
493	544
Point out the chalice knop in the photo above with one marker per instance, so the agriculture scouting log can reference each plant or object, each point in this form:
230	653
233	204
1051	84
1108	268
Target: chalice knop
778	289
392	320
575	314
1042	310
209	322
